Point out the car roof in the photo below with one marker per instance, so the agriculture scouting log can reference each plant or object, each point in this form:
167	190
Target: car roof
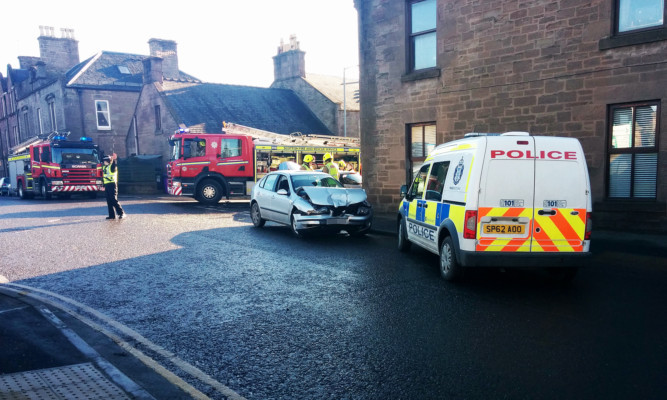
297	172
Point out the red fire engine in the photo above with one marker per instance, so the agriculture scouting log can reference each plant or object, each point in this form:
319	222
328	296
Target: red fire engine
209	166
56	166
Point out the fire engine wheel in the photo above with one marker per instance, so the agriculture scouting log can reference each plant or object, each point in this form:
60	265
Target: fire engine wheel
209	192
403	242
22	194
256	216
43	191
450	270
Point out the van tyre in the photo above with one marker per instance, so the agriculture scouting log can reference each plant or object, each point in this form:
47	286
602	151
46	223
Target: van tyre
209	192
403	242
256	216
450	269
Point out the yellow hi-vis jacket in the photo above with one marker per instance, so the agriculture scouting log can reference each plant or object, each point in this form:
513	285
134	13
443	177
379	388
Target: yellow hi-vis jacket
332	169
109	176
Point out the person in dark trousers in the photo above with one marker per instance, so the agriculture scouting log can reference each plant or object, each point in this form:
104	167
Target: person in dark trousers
110	176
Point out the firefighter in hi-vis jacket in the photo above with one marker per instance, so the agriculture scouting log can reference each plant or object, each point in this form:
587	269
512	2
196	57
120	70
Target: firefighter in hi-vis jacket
110	176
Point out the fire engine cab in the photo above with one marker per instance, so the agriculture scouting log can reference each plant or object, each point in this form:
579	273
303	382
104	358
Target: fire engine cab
56	166
209	166
501	200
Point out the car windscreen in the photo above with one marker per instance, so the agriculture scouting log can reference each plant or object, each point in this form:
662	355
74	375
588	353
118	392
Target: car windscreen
318	180
63	155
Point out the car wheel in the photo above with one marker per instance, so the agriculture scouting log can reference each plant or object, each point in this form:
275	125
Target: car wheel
256	215
450	269
209	192
42	190
403	242
295	231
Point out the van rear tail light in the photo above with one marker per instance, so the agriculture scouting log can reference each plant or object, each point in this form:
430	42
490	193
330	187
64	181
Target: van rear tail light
470	227
589	226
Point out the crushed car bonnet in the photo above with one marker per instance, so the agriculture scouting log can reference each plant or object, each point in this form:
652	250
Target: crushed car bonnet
337	197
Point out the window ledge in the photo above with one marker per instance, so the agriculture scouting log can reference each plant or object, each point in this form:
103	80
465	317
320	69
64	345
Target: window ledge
421	74
630	39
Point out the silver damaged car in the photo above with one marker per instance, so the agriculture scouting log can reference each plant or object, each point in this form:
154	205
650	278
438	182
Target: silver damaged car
310	201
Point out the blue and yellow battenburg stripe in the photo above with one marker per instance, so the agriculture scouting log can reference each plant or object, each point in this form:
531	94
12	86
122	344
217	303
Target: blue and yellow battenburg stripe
435	213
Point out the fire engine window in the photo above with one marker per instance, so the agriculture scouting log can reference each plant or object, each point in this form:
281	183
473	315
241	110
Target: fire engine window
195	148
46	154
35	154
230	148
436	181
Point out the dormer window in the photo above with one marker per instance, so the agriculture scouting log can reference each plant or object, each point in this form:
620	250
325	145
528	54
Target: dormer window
124	70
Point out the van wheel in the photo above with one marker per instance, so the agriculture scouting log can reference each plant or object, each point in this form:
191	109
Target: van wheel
256	216
450	270
403	242
209	192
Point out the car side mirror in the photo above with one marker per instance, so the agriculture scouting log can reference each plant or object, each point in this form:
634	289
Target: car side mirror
282	192
404	191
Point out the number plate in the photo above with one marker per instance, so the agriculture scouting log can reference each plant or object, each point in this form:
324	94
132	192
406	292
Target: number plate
505	229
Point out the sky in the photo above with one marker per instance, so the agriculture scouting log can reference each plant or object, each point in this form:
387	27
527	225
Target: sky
219	41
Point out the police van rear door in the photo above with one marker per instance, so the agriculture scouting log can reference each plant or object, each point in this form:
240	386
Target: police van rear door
561	192
505	209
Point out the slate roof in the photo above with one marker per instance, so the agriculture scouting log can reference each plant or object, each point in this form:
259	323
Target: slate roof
111	71
208	104
332	88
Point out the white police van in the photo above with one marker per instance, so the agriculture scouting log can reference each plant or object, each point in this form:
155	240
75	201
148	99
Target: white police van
501	200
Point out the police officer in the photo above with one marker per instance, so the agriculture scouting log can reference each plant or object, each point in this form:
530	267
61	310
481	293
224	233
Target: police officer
330	167
308	162
110	179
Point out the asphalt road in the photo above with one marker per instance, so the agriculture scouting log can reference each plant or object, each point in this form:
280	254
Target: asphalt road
270	316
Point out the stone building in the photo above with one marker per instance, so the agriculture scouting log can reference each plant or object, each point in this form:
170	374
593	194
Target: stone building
433	70
333	99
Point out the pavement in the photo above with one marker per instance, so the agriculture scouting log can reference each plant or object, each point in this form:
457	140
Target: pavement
49	352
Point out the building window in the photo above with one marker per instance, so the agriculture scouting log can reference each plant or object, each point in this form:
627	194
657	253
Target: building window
39	121
422	40
26	124
158	119
16	135
633	150
103	119
52	113
637	15
421	140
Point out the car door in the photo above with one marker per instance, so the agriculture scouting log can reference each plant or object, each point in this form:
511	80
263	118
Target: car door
263	195
561	196
416	209
281	202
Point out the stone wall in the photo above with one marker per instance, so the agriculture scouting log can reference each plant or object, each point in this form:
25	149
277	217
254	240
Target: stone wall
539	66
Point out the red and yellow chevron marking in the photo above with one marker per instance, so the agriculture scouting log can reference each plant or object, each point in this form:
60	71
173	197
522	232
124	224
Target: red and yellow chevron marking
560	232
509	244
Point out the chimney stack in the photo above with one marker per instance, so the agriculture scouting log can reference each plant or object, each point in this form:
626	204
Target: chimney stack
290	61
166	49
153	70
59	54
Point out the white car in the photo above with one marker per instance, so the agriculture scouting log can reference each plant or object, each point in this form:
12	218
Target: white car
310	201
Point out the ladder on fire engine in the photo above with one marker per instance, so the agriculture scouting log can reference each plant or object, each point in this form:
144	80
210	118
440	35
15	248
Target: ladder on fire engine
293	139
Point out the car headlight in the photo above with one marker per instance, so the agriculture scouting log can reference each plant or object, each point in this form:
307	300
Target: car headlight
365	208
319	210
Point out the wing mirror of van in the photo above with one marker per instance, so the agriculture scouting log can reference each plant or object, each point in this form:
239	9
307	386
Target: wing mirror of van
404	191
